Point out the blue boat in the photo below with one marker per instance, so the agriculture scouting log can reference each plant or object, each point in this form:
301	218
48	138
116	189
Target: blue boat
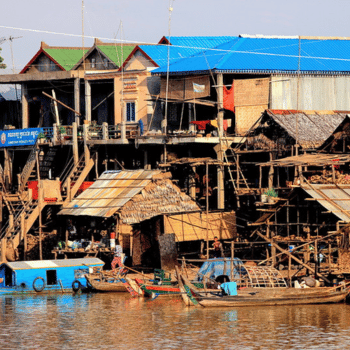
40	276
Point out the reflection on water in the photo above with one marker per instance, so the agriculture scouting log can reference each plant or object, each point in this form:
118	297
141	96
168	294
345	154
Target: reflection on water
116	321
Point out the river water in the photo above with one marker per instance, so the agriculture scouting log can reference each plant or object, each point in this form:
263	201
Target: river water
117	321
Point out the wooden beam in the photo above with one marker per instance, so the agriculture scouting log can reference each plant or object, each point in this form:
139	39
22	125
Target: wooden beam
273	244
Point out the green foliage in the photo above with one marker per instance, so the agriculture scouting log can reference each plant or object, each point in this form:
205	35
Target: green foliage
62	130
271	192
41	136
2	65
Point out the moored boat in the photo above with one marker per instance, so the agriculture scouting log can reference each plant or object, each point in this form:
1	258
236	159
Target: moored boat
105	285
263	296
44	276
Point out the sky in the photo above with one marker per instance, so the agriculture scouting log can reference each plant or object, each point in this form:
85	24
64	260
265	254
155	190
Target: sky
148	20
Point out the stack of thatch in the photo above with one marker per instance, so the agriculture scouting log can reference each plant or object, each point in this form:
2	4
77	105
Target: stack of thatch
344	260
327	178
159	197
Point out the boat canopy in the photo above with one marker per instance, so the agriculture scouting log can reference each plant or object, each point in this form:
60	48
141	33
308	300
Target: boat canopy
244	275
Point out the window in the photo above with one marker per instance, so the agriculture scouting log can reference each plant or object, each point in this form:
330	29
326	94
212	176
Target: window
51	277
105	62
93	62
130	111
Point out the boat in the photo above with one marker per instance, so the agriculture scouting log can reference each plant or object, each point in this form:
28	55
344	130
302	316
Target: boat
44	276
161	286
99	284
262	296
113	281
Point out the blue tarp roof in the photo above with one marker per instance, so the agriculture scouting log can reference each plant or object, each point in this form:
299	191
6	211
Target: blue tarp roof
267	55
216	267
182	47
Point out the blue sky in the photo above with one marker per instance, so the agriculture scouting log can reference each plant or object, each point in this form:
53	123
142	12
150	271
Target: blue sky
147	21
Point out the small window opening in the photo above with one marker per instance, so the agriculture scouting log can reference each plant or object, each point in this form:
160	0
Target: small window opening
51	277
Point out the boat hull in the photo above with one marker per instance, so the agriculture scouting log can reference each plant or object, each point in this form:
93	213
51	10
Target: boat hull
101	286
244	300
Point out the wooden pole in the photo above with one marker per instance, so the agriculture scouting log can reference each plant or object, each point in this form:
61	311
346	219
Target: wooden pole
55	107
40	235
232	257
289	270
61	103
207	205
290	254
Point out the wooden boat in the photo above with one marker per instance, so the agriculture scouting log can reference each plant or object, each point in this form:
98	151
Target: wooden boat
108	285
172	290
262	296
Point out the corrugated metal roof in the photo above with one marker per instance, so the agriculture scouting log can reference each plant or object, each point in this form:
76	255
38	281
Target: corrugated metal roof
335	198
310	129
44	264
109	193
266	55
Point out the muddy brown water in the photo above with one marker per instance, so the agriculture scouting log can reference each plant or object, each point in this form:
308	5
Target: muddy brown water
116	321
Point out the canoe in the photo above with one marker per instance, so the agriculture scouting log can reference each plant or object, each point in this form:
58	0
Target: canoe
264	296
110	285
172	290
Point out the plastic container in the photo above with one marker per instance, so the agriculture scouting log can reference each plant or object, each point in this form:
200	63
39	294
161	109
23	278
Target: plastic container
112	242
112	235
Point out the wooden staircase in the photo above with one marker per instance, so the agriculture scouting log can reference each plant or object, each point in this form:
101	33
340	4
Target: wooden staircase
46	162
237	177
24	211
76	177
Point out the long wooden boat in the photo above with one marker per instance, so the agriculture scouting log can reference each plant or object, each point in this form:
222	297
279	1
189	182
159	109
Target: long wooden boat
263	296
172	290
110	285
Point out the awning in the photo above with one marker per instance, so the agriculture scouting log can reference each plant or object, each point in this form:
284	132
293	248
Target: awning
137	195
335	198
109	193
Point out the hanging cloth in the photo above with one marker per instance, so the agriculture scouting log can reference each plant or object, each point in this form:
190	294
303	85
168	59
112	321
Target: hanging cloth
229	98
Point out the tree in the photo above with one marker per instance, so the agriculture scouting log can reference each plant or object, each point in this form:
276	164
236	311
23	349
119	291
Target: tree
2	65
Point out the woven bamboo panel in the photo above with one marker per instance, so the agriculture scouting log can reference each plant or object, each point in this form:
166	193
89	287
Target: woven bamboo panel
247	116
251	92
193	226
182	88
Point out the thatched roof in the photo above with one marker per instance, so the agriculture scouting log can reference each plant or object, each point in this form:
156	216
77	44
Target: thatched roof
309	128
137	195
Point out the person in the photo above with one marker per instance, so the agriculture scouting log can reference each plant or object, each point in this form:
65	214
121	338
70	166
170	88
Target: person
72	230
217	247
117	257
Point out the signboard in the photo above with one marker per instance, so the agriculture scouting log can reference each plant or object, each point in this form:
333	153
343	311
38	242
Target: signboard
19	137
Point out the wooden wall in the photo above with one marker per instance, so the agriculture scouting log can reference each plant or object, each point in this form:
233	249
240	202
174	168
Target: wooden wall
193	226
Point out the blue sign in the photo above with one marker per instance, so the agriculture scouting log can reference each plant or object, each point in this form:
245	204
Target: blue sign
19	137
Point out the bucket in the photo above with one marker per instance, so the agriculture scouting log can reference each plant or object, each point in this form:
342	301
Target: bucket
112	242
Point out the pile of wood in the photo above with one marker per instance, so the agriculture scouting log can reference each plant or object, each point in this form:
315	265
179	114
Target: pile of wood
327	178
344	260
49	240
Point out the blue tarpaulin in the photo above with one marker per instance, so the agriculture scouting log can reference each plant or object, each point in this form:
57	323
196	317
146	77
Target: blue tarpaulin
218	267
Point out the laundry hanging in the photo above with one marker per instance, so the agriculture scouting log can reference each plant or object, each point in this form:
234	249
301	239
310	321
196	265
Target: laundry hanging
229	98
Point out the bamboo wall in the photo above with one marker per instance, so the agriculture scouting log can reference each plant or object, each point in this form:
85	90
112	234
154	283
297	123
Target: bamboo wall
193	226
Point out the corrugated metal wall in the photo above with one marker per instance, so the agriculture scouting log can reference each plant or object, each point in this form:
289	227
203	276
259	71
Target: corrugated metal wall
315	93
